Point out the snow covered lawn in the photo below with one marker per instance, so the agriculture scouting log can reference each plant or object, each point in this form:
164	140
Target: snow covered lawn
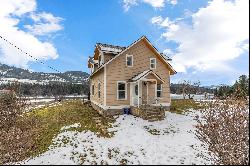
135	141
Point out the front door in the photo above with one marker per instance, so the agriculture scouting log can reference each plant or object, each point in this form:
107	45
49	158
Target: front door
135	92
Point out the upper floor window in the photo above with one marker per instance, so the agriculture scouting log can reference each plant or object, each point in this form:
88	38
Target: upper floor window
129	60
152	63
159	90
121	90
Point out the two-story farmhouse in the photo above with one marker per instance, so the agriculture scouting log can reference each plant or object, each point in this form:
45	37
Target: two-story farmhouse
129	77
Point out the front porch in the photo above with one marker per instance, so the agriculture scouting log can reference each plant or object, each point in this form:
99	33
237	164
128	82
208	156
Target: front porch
145	95
145	89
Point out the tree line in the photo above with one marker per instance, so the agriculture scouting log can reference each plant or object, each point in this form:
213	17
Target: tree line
240	89
51	89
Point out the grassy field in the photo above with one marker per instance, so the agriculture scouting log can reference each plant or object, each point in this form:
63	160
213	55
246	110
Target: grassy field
180	106
33	132
52	119
40	126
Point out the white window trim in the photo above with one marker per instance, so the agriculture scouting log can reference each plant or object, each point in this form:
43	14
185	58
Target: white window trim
156	90
127	60
99	89
117	91
151	63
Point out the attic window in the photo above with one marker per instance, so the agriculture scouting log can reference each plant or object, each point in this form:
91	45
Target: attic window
129	60
152	63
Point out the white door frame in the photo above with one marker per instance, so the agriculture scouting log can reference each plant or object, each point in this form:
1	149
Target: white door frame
132	93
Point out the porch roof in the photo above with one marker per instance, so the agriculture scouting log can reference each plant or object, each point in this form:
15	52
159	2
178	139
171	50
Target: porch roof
144	74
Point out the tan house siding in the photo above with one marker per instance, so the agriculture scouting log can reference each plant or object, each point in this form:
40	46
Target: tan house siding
118	71
99	77
151	91
108	56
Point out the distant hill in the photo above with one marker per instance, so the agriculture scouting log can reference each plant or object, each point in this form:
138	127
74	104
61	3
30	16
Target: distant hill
10	73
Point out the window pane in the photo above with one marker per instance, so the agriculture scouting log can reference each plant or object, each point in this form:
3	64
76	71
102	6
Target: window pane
158	93
121	94
121	86
136	90
93	88
129	61
158	86
152	63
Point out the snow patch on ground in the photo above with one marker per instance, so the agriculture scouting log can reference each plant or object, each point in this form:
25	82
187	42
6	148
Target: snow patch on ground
136	141
76	125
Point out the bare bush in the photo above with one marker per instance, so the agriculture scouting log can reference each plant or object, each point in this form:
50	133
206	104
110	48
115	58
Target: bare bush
10	108
224	129
13	130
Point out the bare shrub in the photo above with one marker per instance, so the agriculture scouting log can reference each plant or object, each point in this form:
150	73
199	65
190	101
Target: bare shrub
224	128
13	130
10	108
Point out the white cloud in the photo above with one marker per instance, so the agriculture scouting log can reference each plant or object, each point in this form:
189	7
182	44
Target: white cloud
157	20
173	2
12	13
128	3
154	3
218	33
44	23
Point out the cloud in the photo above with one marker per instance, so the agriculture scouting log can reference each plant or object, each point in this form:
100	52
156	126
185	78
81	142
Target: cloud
12	12
154	3
128	3
45	23
217	34
173	2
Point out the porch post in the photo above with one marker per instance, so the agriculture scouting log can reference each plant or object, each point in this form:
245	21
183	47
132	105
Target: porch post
156	99
138	94
147	92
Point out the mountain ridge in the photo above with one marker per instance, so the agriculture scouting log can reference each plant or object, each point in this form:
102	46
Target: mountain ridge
11	73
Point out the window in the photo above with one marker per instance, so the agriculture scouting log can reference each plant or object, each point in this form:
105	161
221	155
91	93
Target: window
99	90
100	60
152	63
93	89
129	60
159	90
136	90
121	90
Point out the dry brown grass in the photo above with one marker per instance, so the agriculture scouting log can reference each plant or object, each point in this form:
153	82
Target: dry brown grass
32	133
179	106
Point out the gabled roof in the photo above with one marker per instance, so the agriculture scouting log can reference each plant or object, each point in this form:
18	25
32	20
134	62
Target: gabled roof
143	75
107	48
161	55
